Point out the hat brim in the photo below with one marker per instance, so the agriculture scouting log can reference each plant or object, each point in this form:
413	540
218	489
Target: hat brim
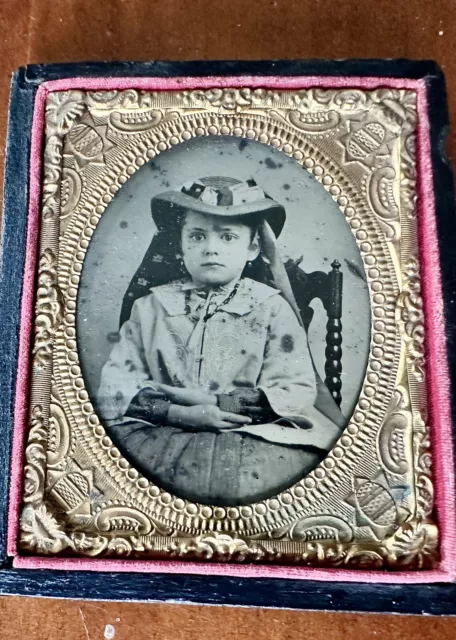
166	206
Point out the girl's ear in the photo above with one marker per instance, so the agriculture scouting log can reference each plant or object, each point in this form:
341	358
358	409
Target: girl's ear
255	248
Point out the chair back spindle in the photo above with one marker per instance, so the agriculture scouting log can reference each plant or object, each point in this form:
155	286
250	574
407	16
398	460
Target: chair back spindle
333	351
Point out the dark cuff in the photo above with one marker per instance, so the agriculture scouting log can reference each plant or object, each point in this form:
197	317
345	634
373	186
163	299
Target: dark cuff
148	405
248	402
229	403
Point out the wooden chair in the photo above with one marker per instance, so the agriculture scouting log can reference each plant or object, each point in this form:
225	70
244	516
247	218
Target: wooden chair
328	288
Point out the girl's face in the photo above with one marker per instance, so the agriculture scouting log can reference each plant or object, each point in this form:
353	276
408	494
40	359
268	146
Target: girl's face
216	248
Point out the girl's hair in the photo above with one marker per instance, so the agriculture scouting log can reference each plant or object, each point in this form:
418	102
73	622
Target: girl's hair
163	263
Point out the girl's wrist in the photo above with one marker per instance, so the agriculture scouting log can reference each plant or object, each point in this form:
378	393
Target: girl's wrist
175	414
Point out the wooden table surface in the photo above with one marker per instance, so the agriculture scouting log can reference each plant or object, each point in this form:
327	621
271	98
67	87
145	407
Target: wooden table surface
34	31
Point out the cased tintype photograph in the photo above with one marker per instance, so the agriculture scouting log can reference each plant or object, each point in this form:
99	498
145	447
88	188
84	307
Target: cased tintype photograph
228	361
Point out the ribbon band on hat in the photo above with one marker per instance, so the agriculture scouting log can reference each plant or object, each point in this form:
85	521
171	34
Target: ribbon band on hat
234	195
220	196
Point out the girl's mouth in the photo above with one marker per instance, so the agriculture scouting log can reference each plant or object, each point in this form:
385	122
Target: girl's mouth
212	264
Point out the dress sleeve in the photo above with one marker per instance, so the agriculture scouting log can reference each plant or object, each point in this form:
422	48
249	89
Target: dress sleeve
125	372
287	376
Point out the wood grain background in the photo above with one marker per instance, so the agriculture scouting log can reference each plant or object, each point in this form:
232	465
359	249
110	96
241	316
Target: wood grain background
34	31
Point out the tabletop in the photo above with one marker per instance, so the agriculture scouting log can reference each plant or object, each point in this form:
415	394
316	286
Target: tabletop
39	31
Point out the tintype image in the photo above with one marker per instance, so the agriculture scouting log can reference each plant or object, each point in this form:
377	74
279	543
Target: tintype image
223	321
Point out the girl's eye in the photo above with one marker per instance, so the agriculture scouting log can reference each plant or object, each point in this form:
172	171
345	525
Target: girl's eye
197	237
228	237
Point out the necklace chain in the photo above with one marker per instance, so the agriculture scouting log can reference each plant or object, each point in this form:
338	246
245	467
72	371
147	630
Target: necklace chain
224	302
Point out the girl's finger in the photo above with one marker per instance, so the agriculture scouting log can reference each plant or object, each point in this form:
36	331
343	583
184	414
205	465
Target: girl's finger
226	426
234	417
166	387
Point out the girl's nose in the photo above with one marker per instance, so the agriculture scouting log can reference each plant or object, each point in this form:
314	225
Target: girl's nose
210	245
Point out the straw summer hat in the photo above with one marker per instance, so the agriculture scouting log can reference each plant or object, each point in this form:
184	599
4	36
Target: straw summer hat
218	196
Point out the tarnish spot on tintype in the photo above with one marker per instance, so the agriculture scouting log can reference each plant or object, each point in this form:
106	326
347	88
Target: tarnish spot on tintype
287	343
272	165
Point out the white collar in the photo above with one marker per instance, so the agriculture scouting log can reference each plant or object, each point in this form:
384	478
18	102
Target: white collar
249	295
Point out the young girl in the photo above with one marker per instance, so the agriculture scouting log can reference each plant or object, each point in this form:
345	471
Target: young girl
210	389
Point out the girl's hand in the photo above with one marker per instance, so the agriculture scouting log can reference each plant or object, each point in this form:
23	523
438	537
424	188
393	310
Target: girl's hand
205	417
187	397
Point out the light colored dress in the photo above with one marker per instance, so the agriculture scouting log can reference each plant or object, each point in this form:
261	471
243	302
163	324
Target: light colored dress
217	343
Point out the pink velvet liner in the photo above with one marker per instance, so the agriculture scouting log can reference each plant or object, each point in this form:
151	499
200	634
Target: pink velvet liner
438	381
26	327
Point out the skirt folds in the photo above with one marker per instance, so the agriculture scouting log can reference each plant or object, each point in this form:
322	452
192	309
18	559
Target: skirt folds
219	468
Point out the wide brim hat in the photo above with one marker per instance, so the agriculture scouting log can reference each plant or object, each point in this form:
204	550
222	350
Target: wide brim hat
218	196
